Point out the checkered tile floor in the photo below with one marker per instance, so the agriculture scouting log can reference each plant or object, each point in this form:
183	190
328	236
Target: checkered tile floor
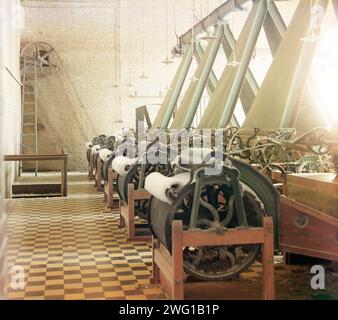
72	248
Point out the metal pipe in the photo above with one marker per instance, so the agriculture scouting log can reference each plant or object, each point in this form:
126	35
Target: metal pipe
224	11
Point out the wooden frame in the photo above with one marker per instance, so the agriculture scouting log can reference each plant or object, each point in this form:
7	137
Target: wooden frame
127	213
46	157
91	169
306	231
108	190
168	268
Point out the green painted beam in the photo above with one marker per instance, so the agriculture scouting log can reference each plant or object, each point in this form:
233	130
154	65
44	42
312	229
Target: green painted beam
250	86
187	110
224	100
212	81
277	102
165	113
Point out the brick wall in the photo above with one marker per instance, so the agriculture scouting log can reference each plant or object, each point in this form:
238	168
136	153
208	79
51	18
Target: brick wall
84	35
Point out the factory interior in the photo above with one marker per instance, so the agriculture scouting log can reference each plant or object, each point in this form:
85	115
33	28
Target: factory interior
169	150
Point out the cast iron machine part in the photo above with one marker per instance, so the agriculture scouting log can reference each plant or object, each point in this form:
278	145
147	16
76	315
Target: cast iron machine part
239	196
137	173
97	141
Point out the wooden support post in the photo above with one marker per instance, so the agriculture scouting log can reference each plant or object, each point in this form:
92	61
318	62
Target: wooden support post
91	168
108	190
155	276
64	177
268	260
98	175
127	213
177	261
110	195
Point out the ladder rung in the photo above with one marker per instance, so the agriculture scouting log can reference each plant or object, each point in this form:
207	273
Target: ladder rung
29	92
29	124
28	113
28	145
28	134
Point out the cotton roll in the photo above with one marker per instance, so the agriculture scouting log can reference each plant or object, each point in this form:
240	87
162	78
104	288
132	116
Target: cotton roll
120	163
157	184
105	154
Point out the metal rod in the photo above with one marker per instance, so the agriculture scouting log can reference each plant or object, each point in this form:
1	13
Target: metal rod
222	12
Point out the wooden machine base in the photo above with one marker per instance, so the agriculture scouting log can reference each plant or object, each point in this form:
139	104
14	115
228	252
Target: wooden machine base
127	215
108	191
98	176
307	231
309	215
168	268
91	169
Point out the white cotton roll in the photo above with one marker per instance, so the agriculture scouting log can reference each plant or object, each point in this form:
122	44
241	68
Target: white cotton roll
96	148
157	184
119	164
105	154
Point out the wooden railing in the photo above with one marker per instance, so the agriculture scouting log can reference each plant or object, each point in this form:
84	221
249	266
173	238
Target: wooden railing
46	157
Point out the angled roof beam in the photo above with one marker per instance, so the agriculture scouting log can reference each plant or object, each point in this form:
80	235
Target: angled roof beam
335	7
165	113
224	100
250	86
212	81
275	29
277	102
187	110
